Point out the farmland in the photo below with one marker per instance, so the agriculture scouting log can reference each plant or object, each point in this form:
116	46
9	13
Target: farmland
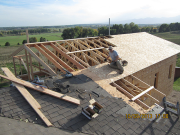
13	40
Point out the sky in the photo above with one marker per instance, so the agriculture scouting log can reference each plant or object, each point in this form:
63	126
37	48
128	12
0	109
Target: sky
68	12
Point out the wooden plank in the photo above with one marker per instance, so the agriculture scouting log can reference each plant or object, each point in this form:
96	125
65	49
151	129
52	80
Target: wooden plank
85	50
130	96
22	89
20	66
130	91
147	85
27	63
67	56
17	51
73	56
50	59
140	90
43	90
53	58
84	54
14	66
40	60
142	93
30	60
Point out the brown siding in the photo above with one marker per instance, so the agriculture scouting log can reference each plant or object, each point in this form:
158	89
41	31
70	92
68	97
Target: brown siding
165	84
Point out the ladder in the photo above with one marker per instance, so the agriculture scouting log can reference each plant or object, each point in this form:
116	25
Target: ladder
169	107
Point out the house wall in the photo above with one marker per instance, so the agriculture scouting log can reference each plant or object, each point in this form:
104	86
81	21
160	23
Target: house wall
164	84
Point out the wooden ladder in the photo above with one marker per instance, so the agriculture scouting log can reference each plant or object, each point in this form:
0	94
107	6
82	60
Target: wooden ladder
169	107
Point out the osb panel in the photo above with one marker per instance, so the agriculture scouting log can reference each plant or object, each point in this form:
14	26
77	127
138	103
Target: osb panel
165	84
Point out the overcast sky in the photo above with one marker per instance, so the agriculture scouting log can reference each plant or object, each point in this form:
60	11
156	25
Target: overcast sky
67	12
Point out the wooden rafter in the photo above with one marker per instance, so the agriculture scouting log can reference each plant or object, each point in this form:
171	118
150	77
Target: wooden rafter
40	61
17	51
50	58
73	56
83	53
110	44
67	56
140	90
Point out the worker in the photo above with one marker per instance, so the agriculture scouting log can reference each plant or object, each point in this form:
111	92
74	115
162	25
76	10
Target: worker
115	60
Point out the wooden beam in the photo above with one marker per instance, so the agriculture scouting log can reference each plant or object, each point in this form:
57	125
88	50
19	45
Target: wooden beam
43	90
142	93
53	58
14	66
140	90
30	60
84	54
21	89
73	56
50	59
85	50
27	36
27	63
20	66
130	96
130	91
107	42
17	51
29	98
147	85
40	60
68	57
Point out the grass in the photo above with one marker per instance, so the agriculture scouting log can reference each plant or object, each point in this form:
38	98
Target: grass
176	85
13	40
173	36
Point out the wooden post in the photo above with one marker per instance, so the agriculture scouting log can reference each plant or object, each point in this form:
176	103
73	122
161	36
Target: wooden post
14	66
38	62
30	59
27	36
20	66
27	63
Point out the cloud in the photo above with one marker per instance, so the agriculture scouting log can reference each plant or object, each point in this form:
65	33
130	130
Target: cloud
61	12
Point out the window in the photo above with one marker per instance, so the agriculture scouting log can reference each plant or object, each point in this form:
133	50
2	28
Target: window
156	80
170	71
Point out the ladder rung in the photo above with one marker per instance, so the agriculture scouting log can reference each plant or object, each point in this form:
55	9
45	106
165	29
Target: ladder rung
171	110
170	105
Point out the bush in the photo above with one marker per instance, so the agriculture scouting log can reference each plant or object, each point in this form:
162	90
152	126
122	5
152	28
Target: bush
18	44
7	44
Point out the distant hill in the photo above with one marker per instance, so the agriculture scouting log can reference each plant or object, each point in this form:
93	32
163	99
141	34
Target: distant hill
148	20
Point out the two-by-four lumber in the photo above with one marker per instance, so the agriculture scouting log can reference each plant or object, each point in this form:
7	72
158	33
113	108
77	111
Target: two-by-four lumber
85	50
130	96
27	63
67	56
29	98
140	90
50	58
147	85
83	53
142	93
21	89
17	51
52	72
43	90
73	56
53	58
130	91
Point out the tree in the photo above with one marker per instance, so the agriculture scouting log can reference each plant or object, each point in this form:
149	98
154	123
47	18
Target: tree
148	29
24	41
32	39
135	28
7	44
42	39
103	30
151	30
164	28
143	29
1	34
95	32
127	28
18	44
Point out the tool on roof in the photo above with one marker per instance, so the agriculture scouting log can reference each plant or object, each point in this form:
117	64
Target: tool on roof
68	74
92	110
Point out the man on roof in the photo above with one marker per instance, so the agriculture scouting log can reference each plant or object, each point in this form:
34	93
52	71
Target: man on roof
115	60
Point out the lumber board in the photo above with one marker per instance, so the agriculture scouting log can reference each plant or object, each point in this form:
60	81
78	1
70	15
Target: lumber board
17	51
85	50
140	90
83	53
43	90
147	85
130	96
130	91
22	89
67	56
27	63
14	66
74	56
53	58
142	93
40	61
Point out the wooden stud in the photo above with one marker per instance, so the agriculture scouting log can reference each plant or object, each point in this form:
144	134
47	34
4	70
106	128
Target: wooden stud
32	75
40	60
14	66
43	90
27	64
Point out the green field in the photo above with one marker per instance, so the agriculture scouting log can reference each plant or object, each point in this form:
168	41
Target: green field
13	40
173	36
